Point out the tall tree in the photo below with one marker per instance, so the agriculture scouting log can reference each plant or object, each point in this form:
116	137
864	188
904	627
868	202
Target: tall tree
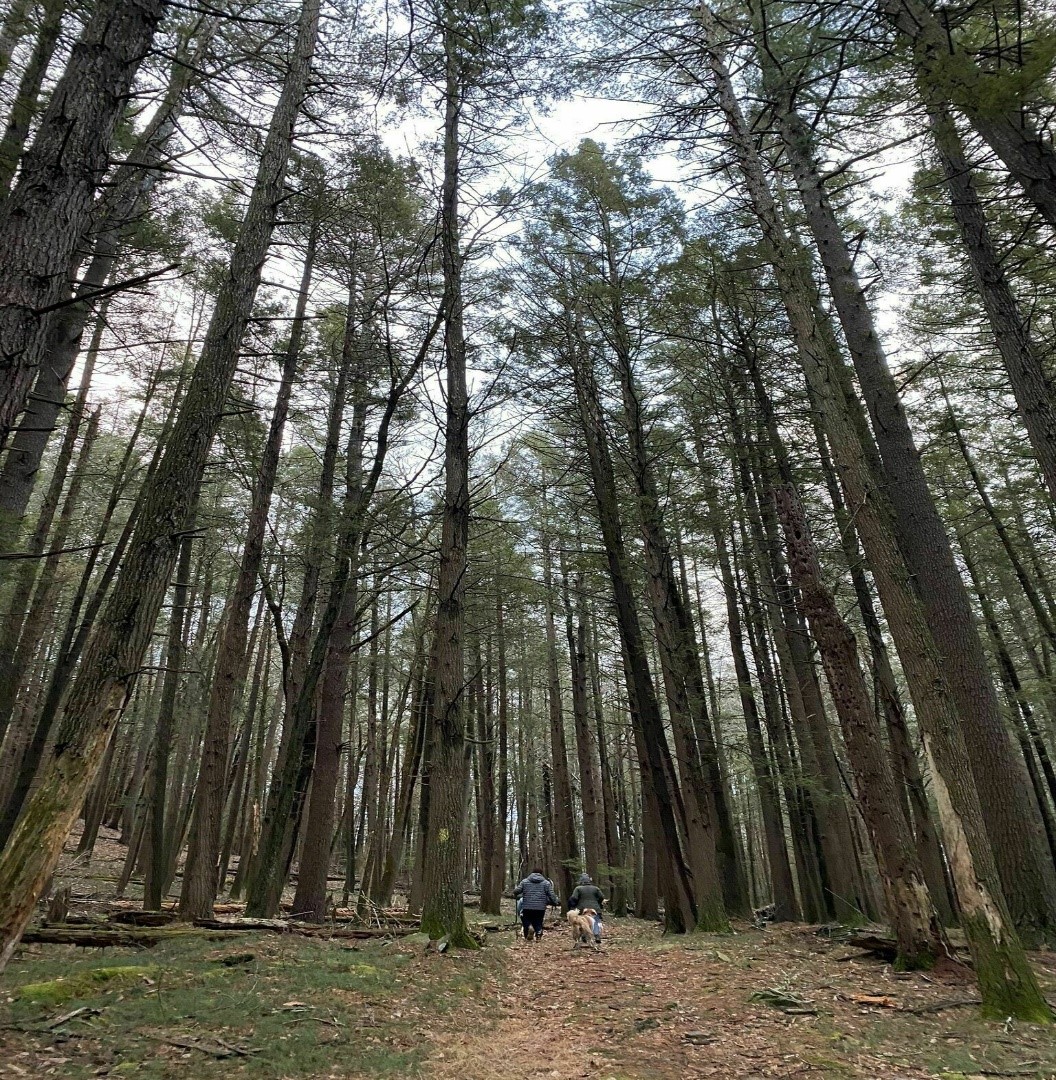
481	44
1011	818
114	655
45	216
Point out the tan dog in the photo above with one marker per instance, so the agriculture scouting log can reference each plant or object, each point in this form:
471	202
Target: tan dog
582	925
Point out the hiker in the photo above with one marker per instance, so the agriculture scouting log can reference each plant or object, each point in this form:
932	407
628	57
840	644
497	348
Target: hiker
533	894
586	895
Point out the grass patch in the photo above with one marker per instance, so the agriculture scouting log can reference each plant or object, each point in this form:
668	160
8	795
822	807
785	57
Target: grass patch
297	1007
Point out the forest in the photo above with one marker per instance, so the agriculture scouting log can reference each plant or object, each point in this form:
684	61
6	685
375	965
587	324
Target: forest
445	438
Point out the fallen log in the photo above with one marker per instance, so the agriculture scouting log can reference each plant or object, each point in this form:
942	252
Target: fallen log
109	937
96	938
143	918
875	945
281	926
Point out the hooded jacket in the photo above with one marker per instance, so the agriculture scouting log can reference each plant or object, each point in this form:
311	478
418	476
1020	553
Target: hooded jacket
536	892
586	895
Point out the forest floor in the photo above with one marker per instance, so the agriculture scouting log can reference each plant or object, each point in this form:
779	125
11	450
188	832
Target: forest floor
779	1002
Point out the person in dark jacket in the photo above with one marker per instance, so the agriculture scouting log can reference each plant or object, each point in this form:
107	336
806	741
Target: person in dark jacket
534	893
587	895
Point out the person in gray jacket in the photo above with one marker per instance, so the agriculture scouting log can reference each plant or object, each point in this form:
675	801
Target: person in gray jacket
534	894
587	896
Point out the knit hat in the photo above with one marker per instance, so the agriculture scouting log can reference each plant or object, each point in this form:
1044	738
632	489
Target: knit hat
584	879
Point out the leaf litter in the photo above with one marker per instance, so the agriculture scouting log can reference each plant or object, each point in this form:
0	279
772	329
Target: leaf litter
775	1003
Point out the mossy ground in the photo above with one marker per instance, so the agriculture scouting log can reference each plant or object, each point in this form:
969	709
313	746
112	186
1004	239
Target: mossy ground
295	1007
86	983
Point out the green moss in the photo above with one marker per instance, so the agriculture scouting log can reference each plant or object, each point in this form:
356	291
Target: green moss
83	984
711	918
457	935
1006	982
922	961
194	996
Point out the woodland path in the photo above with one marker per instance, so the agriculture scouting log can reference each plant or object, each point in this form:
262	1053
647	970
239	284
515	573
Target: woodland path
656	1009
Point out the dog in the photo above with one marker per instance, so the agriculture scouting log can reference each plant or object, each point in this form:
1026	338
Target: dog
582	926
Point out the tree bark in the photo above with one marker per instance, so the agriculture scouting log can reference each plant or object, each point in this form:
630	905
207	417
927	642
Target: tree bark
443	915
663	803
12	667
115	653
310	897
615	870
909	908
1027	877
1022	358
116	209
45	216
786	908
565	843
198	892
12	30
1006	981
27	96
590	800
947	73
158	853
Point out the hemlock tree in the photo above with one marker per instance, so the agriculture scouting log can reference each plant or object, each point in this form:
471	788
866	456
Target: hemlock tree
44	218
100	691
478	48
1006	981
1012	822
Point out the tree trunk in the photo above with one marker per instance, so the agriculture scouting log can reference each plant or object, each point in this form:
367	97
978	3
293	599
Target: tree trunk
309	901
889	697
679	659
116	650
310	898
412	764
566	847
158	853
590	800
14	27
1027	878
27	96
615	870
1023	362
260	645
1031	742
296	758
45	216
1007	984
908	905
498	873
784	897
200	884
674	870
38	626
443	915
11	667
946	72
787	781
119	206
77	629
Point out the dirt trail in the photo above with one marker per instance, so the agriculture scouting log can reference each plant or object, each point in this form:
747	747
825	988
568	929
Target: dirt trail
660	1010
